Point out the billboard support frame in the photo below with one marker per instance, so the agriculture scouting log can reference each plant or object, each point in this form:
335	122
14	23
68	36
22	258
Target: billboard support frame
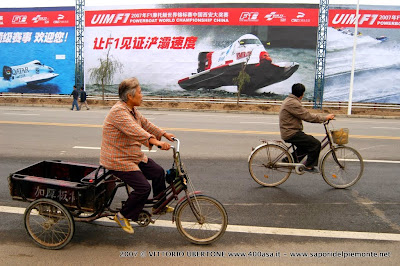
321	53
79	43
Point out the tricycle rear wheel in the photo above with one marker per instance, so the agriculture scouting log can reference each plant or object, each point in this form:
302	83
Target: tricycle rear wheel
49	224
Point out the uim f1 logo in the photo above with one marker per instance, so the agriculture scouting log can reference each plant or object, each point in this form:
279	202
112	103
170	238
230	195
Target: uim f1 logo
249	16
19	19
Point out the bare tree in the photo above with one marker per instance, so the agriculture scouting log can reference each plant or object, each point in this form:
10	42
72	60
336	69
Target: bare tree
241	80
104	73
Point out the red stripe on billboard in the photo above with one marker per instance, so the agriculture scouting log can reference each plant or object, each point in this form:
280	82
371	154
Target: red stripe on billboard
204	16
36	19
366	18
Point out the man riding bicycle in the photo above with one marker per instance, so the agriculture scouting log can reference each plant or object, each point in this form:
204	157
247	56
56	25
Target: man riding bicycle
291	115
125	130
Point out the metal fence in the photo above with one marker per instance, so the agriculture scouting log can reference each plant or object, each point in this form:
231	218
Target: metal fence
339	105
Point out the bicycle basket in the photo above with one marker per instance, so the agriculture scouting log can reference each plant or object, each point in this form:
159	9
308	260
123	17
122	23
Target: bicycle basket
340	136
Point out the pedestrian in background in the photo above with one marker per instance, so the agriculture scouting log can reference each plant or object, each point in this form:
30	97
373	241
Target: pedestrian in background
75	95
83	99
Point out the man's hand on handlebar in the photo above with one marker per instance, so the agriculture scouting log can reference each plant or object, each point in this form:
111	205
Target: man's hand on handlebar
330	117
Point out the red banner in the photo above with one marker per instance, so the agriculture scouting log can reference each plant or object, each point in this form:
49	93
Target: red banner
22	19
204	16
366	18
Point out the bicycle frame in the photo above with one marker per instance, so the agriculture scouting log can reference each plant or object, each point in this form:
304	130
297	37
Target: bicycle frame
159	202
299	167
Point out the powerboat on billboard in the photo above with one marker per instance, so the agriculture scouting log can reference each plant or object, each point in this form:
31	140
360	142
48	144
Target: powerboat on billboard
349	32
33	72
220	68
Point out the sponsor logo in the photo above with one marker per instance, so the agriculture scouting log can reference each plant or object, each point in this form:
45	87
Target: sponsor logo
243	55
40	18
300	18
19	19
300	15
111	18
20	72
275	15
249	16
350	19
60	19
1	20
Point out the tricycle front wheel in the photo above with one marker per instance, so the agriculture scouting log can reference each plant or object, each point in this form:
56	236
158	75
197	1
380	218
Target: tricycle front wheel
203	220
49	224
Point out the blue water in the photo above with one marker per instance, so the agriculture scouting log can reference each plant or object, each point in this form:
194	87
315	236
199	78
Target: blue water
20	53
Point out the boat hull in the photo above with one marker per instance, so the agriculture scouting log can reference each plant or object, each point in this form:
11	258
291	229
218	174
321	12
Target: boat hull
261	75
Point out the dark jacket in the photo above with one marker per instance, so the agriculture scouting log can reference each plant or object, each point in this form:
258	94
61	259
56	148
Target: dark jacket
83	96
75	94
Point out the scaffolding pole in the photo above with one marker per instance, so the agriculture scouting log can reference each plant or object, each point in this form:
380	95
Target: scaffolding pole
321	53
79	43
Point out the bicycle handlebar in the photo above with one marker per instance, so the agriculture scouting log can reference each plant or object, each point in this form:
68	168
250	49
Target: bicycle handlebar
172	147
177	146
327	121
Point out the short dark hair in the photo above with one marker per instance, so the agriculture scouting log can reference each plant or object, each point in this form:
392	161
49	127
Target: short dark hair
127	86
298	89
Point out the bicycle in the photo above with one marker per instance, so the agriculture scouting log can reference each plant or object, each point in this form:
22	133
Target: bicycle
271	163
62	193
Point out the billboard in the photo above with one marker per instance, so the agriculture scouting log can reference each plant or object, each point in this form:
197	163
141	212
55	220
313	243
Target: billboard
38	50
199	49
377	61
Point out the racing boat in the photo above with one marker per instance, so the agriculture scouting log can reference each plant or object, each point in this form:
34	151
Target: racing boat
349	32
220	68
32	72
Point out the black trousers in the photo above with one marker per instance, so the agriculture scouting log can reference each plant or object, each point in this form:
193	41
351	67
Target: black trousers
306	145
138	181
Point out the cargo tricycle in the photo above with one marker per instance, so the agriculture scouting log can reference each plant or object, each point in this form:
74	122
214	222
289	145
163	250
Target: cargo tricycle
62	193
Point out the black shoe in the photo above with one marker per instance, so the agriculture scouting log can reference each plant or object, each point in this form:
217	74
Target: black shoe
311	170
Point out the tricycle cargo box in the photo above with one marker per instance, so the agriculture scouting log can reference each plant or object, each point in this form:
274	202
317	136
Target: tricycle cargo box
77	186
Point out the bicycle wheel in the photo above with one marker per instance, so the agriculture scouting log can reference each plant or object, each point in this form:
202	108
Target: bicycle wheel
346	176
211	222
262	166
49	224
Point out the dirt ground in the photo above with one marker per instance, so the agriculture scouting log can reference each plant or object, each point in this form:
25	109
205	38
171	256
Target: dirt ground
222	107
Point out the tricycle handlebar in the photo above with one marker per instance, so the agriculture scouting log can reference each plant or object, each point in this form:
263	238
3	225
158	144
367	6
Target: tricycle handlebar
177	145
